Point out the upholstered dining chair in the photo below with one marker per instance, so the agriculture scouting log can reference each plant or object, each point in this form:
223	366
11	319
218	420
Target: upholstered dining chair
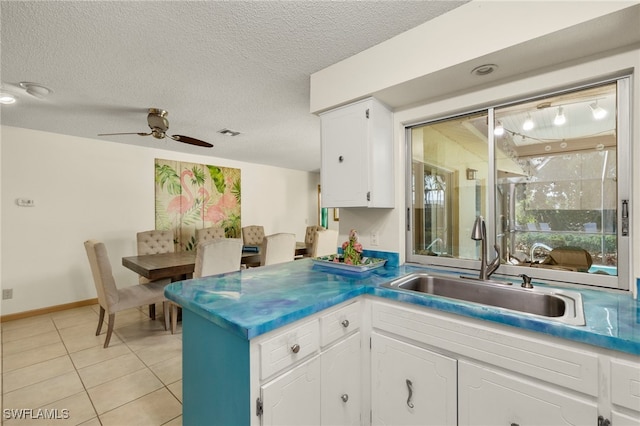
252	235
325	242
154	242
113	299
309	236
218	256
215	256
208	234
277	248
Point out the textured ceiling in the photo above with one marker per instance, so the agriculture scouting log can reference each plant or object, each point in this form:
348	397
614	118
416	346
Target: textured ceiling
212	64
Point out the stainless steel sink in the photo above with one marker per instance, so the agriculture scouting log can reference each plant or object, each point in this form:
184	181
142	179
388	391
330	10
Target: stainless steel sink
556	305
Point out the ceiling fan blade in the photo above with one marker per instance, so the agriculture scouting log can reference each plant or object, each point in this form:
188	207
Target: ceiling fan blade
190	140
112	134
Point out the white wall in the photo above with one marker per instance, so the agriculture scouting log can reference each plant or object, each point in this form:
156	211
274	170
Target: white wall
87	188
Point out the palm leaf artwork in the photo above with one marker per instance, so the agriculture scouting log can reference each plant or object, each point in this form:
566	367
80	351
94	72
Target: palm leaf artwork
231	226
235	190
217	176
166	175
191	196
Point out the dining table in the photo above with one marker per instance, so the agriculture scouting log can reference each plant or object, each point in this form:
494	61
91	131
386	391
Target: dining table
181	264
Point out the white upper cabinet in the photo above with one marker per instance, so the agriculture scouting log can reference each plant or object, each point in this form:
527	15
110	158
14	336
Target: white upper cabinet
357	156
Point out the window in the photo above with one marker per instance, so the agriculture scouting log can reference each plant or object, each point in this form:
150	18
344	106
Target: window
552	171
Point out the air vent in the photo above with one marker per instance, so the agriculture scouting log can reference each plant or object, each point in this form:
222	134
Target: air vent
228	132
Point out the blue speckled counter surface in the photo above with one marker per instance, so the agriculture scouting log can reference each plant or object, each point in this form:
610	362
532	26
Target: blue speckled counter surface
257	300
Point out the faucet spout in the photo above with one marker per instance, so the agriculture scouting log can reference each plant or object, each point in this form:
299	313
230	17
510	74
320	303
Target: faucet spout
479	233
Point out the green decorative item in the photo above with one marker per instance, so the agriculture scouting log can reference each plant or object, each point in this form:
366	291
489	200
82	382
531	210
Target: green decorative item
352	250
324	217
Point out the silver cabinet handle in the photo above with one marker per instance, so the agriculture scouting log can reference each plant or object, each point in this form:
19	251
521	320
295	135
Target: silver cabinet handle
345	323
410	387
344	397
295	348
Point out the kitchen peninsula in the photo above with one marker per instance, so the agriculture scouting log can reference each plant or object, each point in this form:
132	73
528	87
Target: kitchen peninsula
299	343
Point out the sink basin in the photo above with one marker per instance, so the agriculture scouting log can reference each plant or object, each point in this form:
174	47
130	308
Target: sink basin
555	305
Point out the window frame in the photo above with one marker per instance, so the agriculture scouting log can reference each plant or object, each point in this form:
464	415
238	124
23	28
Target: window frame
622	281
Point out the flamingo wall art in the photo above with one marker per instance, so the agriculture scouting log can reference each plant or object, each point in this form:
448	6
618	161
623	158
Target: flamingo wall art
192	196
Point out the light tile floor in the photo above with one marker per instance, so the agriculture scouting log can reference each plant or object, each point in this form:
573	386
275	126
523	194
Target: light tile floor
56	362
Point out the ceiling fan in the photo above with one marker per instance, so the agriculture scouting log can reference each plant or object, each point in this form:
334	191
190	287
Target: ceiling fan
159	124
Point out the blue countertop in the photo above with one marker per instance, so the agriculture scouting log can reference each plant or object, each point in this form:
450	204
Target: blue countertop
257	300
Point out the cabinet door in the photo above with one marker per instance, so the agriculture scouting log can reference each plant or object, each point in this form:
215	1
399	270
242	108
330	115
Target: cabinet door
488	397
344	175
294	397
620	419
410	385
341	385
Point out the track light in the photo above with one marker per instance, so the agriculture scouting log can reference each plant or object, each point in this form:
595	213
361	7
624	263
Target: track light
528	123
560	118
598	112
499	129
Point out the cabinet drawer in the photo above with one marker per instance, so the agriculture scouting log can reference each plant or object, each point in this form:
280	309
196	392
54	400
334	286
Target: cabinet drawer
339	323
489	397
625	384
516	350
286	349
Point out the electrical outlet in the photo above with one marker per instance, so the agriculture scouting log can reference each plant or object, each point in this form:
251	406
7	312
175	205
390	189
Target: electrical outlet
7	293
374	238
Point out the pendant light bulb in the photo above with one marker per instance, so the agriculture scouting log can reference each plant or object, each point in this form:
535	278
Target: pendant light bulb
499	129
598	112
528	123
560	118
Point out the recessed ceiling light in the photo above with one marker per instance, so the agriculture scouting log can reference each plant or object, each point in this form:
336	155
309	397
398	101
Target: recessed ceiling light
228	132
483	70
7	99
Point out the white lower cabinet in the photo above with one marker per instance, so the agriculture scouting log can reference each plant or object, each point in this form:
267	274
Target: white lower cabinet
294	397
411	385
426	367
490	397
625	392
341	378
311	372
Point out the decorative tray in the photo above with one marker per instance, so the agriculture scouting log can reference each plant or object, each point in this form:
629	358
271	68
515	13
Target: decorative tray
368	263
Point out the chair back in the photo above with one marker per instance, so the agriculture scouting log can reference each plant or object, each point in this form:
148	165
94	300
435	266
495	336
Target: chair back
310	234
253	235
102	274
208	234
154	242
325	242
218	256
277	248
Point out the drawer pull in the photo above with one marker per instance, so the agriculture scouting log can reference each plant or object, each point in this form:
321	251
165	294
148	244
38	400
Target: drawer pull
295	348
410	387
344	397
345	323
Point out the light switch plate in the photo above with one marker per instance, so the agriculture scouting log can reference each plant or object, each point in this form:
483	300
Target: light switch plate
25	202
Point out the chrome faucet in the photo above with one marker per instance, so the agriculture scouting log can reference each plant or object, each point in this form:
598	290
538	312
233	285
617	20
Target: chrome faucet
479	233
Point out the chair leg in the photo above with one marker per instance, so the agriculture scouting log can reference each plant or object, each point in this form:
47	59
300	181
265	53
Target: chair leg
112	320
152	311
100	321
165	308
174	318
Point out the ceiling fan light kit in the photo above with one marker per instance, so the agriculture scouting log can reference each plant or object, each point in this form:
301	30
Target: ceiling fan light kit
159	124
